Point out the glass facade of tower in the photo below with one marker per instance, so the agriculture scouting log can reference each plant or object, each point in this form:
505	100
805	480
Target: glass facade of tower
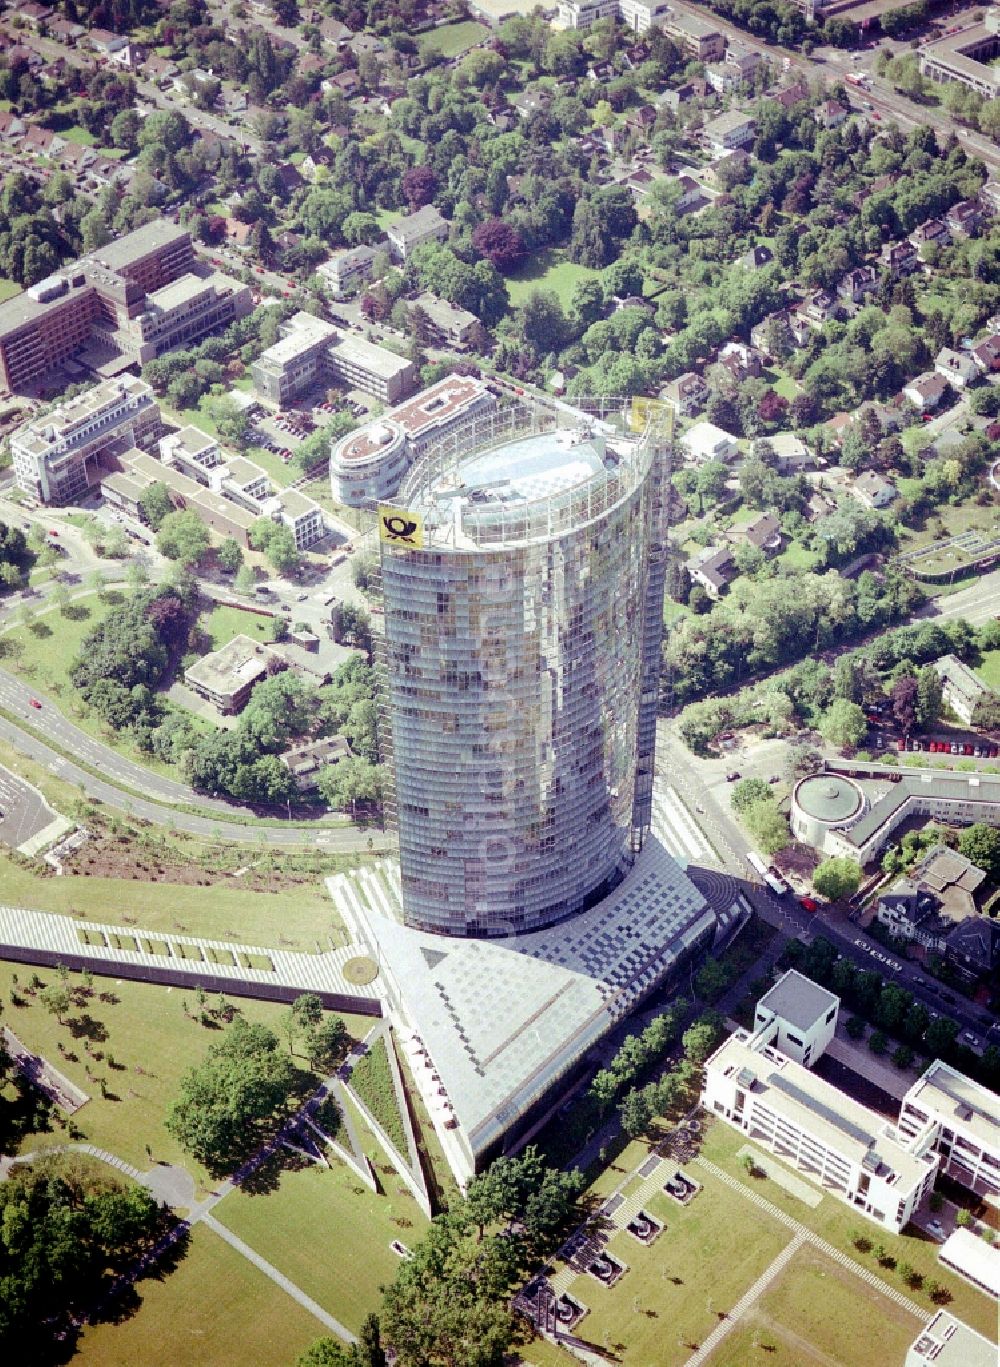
512	674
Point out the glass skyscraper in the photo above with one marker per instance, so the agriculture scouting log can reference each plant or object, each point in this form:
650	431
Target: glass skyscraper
522	578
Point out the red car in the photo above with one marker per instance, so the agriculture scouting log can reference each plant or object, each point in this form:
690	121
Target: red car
36	703
809	903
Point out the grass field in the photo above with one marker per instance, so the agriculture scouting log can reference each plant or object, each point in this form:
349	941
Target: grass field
547	270
329	1233
817	1302
146	1027
835	1221
214	1308
301	918
223	623
796	557
989	669
8	288
452	39
372	1080
648	1317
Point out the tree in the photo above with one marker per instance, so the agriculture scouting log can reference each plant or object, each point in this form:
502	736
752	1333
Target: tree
155	504
231	1100
981	844
635	1113
183	537
929	696
500	243
543	321
277	541
230	555
353	780
748	791
419	185
843	724
712	979
905	702
700	1038
767	826
56	999
232	422
837	877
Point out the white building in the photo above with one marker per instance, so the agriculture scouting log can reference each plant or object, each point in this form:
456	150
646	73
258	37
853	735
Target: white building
961	1121
413	230
730	131
367	466
949	1342
637	15
345	272
957	367
60	455
704	441
973	1259
803	1016
839	1144
961	687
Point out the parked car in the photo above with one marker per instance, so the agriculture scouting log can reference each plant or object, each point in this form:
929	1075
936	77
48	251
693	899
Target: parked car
732	776
809	903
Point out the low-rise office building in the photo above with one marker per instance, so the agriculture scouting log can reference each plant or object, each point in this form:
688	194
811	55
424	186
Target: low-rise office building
413	230
227	677
730	131
367	466
968	57
976	1261
961	687
375	370
60	455
192	451
216	511
696	36
638	15
296	361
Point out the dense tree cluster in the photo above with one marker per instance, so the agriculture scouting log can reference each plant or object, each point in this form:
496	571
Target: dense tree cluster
64	1237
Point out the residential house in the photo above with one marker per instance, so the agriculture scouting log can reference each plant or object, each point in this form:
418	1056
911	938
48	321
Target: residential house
642	120
965	217
899	258
818	308
987	354
335	34
687	393
722	78
65	31
640	182
714	568
452	326
11	127
963	690
704	442
933	233
130	57
974	947
683	94
757	257
729	131
793	455
344	83
957	367
238	233
819	506
740	360
33	14
159	69
873	490
346	271
746	61
789	95
856	284
936	896
926	391
532	102
307	761
830	114
105	43
763	532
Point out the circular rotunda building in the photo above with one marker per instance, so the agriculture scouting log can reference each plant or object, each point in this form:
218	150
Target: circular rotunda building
522	588
824	802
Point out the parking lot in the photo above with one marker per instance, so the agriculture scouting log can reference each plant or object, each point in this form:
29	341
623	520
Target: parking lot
281	432
24	813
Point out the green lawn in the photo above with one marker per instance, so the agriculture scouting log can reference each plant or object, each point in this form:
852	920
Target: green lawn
796	557
452	39
302	918
80	136
547	270
649	1318
223	623
835	1221
8	288
147	1030
989	669
372	1080
215	1308
330	1234
818	1312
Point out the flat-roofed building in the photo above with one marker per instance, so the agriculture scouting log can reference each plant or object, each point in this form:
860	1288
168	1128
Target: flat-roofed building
360	364
221	514
192	451
973	1259
183	312
413	230
637	15
302	515
60	455
843	1147
124	493
730	131
347	271
960	1119
950	1342
366	466
968	57
227	677
696	36
803	1016
449	323
296	361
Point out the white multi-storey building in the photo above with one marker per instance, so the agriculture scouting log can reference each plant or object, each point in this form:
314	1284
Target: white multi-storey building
843	1147
58	456
961	1121
803	1016
348	270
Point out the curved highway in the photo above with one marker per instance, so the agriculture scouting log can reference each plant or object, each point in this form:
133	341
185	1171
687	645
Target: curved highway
220	820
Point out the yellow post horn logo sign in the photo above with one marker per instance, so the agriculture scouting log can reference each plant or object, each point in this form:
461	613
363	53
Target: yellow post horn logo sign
397	527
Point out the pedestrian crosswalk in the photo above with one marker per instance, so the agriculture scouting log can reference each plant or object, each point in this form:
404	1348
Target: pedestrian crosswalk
677	829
